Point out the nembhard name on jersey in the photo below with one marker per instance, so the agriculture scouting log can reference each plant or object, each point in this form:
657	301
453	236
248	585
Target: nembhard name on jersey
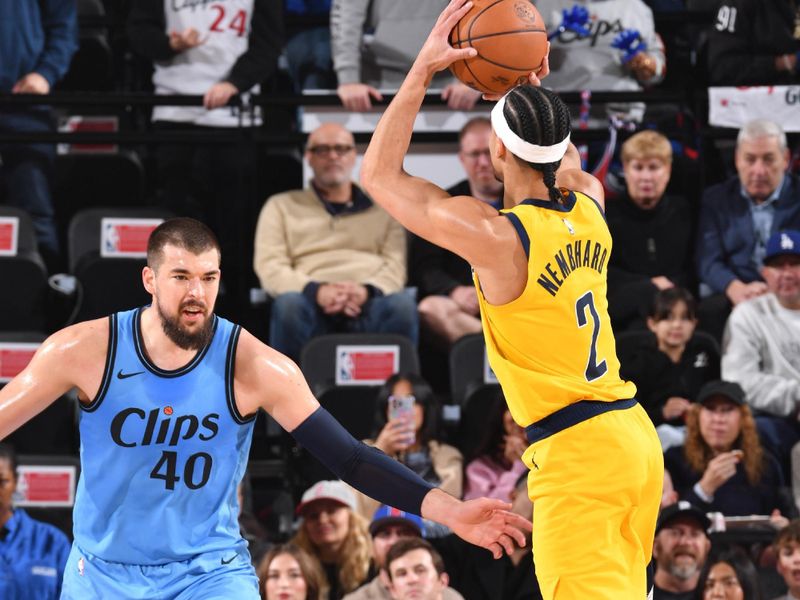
580	253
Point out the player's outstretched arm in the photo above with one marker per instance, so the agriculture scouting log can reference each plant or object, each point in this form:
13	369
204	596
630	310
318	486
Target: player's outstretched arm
71	357
267	379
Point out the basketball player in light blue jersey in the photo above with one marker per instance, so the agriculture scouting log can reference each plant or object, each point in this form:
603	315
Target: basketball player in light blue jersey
168	395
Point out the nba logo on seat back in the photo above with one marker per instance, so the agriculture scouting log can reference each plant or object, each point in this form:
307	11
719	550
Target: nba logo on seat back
366	365
126	238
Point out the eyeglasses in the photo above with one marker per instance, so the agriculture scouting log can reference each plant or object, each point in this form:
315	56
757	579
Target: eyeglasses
476	154
325	149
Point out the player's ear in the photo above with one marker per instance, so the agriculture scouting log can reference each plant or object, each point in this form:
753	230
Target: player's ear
148	280
499	147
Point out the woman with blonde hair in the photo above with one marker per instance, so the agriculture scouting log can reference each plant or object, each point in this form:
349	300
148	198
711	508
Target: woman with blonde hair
334	533
287	572
722	466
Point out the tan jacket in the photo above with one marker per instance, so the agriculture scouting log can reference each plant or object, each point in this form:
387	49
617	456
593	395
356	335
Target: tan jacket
297	241
375	590
448	464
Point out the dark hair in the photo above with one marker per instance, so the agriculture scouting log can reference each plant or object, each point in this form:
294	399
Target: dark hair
7	452
491	443
539	117
742	566
788	535
472	124
183	232
405	545
665	300
312	571
424	396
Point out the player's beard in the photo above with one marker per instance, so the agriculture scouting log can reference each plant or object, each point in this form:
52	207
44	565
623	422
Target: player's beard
179	335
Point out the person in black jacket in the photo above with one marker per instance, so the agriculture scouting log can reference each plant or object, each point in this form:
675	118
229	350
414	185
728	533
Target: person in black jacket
216	50
652	232
449	305
755	42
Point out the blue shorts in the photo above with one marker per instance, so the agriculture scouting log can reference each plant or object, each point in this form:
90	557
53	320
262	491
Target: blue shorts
209	576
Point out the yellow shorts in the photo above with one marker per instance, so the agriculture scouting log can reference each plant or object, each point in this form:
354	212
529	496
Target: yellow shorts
596	490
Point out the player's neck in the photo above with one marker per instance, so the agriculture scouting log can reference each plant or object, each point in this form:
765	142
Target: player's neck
520	185
158	347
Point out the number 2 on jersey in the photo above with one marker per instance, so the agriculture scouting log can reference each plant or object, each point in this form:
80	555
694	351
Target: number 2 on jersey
594	369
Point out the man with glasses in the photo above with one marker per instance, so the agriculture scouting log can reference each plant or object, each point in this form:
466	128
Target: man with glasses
761	346
680	550
332	260
449	305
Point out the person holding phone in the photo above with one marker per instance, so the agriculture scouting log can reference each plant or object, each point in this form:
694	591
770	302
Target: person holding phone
406	427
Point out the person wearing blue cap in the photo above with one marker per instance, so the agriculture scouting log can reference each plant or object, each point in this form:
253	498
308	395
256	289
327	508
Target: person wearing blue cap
761	349
389	525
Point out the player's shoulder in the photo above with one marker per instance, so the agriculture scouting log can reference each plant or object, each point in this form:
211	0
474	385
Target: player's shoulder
255	358
81	340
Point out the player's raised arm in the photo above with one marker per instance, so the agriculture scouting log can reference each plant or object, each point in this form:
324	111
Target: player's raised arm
72	357
267	379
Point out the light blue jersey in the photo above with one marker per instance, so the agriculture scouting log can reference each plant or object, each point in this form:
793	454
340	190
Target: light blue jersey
162	453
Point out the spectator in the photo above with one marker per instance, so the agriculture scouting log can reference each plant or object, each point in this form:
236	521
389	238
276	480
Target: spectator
289	573
738	216
374	43
730	575
599	45
333	260
434	461
334	533
308	46
498	459
652	232
478	576
722	467
761	349
680	550
216	50
37	41
670	368
787	549
32	554
449	305
388	526
754	42
415	570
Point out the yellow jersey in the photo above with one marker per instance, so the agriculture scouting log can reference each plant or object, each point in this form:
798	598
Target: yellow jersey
553	345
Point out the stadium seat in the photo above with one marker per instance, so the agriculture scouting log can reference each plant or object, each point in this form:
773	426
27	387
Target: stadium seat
49	504
107	284
352	404
92	66
22	307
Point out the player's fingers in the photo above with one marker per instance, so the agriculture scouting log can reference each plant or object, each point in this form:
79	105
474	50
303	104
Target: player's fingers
496	550
519	522
507	543
455	14
516	535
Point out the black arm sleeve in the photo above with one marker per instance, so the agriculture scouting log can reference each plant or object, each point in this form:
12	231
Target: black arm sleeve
147	30
264	46
367	469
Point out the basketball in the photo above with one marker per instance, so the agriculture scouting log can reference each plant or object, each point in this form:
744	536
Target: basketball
511	41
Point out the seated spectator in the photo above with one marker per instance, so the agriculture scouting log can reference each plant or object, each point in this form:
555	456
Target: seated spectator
388	526
787	549
448	304
652	232
415	570
37	41
729	575
478	576
333	260
761	350
752	42
722	467
434	461
308	45
498	459
737	218
680	550
603	46
289	573
374	43
216	50
32	554
670	368
335	534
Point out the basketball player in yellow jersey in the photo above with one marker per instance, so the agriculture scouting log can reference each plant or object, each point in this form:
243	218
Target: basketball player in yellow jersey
540	270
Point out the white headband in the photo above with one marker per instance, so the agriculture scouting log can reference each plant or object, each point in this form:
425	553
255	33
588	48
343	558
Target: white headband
519	147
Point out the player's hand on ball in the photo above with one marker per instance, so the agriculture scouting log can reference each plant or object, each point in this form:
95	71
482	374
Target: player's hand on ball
534	77
437	53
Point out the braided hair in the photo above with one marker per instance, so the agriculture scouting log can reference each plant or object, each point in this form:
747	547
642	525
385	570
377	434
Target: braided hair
539	117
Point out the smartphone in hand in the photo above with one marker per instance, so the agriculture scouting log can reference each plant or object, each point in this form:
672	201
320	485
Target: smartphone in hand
402	407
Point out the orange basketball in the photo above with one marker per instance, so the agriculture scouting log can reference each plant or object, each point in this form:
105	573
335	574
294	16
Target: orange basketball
511	41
